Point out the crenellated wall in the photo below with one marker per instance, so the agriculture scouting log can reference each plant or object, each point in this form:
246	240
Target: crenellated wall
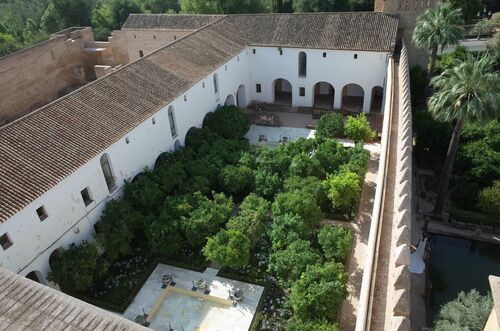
399	274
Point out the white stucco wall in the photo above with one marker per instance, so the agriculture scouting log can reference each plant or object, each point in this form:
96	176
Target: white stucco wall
69	220
339	68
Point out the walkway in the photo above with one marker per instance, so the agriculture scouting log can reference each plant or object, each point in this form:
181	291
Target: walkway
381	298
361	231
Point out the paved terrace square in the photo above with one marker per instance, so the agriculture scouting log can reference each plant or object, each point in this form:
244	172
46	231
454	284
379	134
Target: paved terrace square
194	310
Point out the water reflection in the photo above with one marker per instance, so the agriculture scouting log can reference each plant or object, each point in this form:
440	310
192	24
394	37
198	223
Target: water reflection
459	265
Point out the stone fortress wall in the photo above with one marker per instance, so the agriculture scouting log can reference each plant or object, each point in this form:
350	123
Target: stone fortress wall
37	75
407	12
399	282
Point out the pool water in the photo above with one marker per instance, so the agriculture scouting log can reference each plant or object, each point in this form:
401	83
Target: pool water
459	265
190	313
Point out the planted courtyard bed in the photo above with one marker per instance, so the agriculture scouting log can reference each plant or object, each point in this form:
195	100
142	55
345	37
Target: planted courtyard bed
184	213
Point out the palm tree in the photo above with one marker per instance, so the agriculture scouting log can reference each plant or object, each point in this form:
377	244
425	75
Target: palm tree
467	92
436	28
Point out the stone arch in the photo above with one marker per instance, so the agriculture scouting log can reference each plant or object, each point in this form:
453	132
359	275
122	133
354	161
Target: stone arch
137	177
192	131
282	92
241	97
53	257
35	276
353	97
160	159
229	100
324	95
377	99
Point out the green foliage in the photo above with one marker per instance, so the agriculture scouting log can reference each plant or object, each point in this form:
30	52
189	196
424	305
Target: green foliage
358	161
115	230
8	44
448	60
467	92
478	157
267	184
163	234
298	325
305	165
222	7
228	122
464	194
320	5
469	311
162	6
432	138
145	195
358	129
438	27
289	264
319	293
299	203
76	267
469	8
331	154
310	185
330	125
206	218
229	248
343	191
253	217
50	21
489	201
417	86
469	216
335	242
238	181
286	229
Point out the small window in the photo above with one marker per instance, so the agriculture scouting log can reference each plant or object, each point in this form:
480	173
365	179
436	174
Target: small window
324	54
127	141
87	199
154	36
238	59
225	67
203	84
355	56
281	51
302	91
258	88
185	97
42	213
153	120
134	36
175	37
5	241
302	64
171	120
141	53
253	50
216	84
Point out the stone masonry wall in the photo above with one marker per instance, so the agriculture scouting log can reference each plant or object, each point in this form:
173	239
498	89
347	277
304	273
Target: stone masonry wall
400	275
40	74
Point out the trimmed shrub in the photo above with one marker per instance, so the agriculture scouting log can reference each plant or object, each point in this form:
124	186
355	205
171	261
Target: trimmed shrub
228	248
298	203
358	129
344	190
489	201
335	242
229	122
238	181
330	125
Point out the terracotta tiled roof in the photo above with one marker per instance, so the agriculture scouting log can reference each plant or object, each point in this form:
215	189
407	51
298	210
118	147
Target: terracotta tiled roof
27	305
168	21
41	149
367	31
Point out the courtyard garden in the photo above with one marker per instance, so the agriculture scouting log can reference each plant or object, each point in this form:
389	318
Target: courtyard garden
255	212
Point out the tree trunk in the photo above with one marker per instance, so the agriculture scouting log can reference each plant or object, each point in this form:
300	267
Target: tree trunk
430	70
448	166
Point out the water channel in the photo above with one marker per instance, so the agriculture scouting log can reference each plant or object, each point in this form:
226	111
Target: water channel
459	265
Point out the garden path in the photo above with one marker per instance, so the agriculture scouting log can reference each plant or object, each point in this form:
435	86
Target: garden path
361	231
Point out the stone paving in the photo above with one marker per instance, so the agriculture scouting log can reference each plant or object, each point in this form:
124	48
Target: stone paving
195	311
361	231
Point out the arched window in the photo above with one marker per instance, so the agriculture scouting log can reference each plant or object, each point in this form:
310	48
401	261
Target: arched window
171	120
108	173
216	84
302	64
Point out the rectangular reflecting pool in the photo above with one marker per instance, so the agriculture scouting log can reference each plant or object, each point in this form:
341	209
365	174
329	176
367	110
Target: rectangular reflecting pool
459	265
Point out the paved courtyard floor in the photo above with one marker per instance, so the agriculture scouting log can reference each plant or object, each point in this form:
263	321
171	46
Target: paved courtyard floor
181	308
